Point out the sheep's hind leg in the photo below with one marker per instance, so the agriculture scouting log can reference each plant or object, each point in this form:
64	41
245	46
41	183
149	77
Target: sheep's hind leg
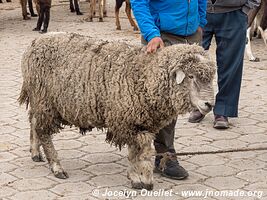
35	143
141	168
44	134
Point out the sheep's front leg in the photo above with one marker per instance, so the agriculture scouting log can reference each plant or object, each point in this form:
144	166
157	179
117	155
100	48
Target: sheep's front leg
35	143
141	168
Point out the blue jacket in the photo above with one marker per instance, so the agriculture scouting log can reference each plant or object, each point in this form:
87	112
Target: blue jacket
179	17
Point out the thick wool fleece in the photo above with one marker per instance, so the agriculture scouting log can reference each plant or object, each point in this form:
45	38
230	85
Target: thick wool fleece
76	80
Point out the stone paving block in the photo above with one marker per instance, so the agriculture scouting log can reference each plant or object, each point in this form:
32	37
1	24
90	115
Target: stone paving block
32	184
40	195
6	156
102	157
70	154
217	170
101	169
253	176
225	183
7	167
244	164
65	189
109	180
6	179
67	144
6	191
206	160
31	172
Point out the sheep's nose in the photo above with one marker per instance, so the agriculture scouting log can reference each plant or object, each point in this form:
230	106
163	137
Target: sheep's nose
209	105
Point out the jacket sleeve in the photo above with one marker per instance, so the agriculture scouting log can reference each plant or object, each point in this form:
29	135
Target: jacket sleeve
202	9
145	21
250	4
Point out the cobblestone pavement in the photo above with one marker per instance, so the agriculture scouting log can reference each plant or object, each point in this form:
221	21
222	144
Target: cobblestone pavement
93	165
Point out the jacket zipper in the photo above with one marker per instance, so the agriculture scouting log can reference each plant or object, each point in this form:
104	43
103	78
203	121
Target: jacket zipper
188	11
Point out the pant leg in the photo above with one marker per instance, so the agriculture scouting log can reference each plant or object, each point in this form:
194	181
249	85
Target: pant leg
230	35
208	32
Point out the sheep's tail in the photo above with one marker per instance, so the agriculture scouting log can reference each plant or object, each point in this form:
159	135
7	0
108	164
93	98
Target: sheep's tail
24	96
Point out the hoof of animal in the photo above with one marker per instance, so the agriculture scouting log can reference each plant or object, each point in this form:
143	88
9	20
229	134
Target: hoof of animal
79	13
89	19
61	175
101	20
34	15
118	28
105	14
8	1
38	158
141	185
255	60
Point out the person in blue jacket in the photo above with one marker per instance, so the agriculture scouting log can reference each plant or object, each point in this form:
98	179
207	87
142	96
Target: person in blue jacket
162	23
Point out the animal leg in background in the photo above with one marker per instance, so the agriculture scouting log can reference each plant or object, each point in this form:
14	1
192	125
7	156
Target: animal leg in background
141	168
129	15
117	12
105	8
101	10
92	10
249	53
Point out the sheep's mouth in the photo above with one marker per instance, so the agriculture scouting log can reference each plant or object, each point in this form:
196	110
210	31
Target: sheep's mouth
205	108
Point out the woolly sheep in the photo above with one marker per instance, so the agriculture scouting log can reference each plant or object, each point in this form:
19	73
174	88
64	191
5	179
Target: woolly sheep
70	79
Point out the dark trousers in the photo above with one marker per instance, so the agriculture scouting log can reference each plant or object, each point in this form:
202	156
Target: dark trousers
229	30
165	138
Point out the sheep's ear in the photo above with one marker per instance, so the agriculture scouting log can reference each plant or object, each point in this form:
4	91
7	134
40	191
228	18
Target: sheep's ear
179	76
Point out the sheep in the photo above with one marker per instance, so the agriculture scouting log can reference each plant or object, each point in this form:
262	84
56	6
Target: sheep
24	8
257	24
128	12
71	79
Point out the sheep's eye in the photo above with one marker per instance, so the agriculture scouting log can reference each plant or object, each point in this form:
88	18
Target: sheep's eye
190	76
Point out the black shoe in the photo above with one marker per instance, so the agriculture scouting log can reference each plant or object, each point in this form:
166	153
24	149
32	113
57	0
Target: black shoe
36	29
195	116
172	169
220	122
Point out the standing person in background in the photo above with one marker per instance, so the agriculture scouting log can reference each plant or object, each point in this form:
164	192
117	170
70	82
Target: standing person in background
162	23
44	16
227	21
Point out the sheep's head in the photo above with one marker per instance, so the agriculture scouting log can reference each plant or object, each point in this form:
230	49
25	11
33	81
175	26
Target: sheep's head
192	74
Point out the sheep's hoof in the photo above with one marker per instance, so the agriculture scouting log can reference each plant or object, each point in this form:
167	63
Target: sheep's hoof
38	158
101	19
61	174
255	60
141	185
89	19
118	28
105	14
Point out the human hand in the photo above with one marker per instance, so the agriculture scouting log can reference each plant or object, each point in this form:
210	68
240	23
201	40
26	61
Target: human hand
154	44
200	30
